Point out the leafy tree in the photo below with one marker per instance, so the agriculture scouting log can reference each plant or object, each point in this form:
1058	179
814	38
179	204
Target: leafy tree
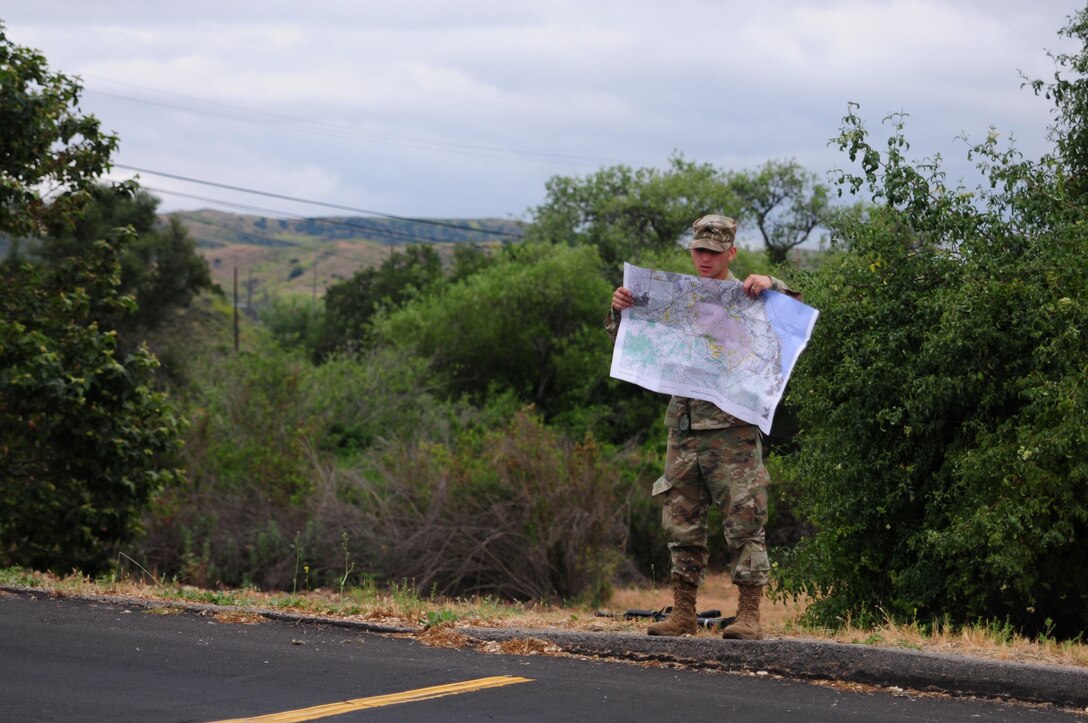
296	324
516	325
784	202
50	152
351	305
623	212
83	440
627	213
1069	92
160	267
467	260
943	456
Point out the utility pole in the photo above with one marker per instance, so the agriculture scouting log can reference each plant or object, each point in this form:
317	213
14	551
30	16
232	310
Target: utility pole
235	309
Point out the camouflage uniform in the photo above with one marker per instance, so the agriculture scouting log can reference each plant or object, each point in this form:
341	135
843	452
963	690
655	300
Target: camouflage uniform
712	458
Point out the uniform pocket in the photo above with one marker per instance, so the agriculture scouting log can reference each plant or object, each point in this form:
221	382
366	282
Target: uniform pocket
661	486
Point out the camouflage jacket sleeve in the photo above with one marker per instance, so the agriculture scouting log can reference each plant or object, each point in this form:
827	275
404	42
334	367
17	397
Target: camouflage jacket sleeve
612	323
780	285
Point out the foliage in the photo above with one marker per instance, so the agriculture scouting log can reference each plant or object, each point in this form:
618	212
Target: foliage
467	260
84	441
626	213
344	322
269	432
297	325
784	202
622	212
351	305
250	456
1069	91
294	468
942	398
50	153
527	323
160	267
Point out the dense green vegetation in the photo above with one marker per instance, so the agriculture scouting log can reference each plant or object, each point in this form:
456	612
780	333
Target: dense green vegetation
160	269
84	440
942	404
449	421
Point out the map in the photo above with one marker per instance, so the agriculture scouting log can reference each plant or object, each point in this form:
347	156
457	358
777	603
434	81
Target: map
707	339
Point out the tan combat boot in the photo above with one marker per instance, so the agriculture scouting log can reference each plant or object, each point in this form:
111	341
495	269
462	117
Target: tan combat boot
746	626
682	620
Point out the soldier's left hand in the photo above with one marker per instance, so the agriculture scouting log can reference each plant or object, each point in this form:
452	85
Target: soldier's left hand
756	284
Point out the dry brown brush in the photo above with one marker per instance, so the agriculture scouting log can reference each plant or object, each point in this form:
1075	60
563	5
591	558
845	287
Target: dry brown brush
515	512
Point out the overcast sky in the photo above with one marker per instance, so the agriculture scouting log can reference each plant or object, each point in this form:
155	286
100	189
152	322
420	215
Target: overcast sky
464	109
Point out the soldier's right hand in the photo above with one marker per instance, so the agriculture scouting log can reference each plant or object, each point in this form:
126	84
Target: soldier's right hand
622	299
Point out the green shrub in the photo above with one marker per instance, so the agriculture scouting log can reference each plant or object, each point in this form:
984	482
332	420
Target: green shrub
84	440
943	457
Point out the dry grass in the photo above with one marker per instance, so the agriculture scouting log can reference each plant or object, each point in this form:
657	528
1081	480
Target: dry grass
438	619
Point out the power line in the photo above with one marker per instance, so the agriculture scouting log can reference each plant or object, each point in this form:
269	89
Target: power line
295	199
239	113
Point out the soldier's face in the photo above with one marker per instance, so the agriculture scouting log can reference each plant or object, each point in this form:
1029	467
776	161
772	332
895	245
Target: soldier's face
712	264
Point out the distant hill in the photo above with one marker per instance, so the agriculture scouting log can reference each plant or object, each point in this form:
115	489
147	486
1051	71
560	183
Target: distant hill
301	257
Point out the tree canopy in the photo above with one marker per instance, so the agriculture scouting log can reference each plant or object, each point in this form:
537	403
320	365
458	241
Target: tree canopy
50	152
784	201
516	325
160	266
626	212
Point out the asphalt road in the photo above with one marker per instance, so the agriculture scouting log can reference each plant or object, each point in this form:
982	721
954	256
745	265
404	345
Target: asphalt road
64	659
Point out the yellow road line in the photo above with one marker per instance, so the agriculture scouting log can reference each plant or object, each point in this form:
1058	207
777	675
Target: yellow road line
347	706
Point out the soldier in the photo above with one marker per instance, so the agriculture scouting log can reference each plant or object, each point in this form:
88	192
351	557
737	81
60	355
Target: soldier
712	458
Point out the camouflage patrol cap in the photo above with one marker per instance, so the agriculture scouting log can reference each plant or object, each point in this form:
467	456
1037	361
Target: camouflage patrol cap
713	232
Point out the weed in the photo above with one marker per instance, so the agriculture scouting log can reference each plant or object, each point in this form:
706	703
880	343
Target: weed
401	602
1000	632
297	547
19	576
347	569
211	597
433	618
288	601
1048	631
119	571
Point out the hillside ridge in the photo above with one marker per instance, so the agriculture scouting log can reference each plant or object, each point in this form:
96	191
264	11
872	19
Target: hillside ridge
301	257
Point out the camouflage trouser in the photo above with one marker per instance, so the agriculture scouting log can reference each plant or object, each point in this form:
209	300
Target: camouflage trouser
723	467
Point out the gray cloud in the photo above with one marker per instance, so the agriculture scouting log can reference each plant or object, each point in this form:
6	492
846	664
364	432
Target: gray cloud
467	108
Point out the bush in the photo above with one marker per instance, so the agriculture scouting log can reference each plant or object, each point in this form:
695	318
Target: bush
943	456
259	499
514	512
84	440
